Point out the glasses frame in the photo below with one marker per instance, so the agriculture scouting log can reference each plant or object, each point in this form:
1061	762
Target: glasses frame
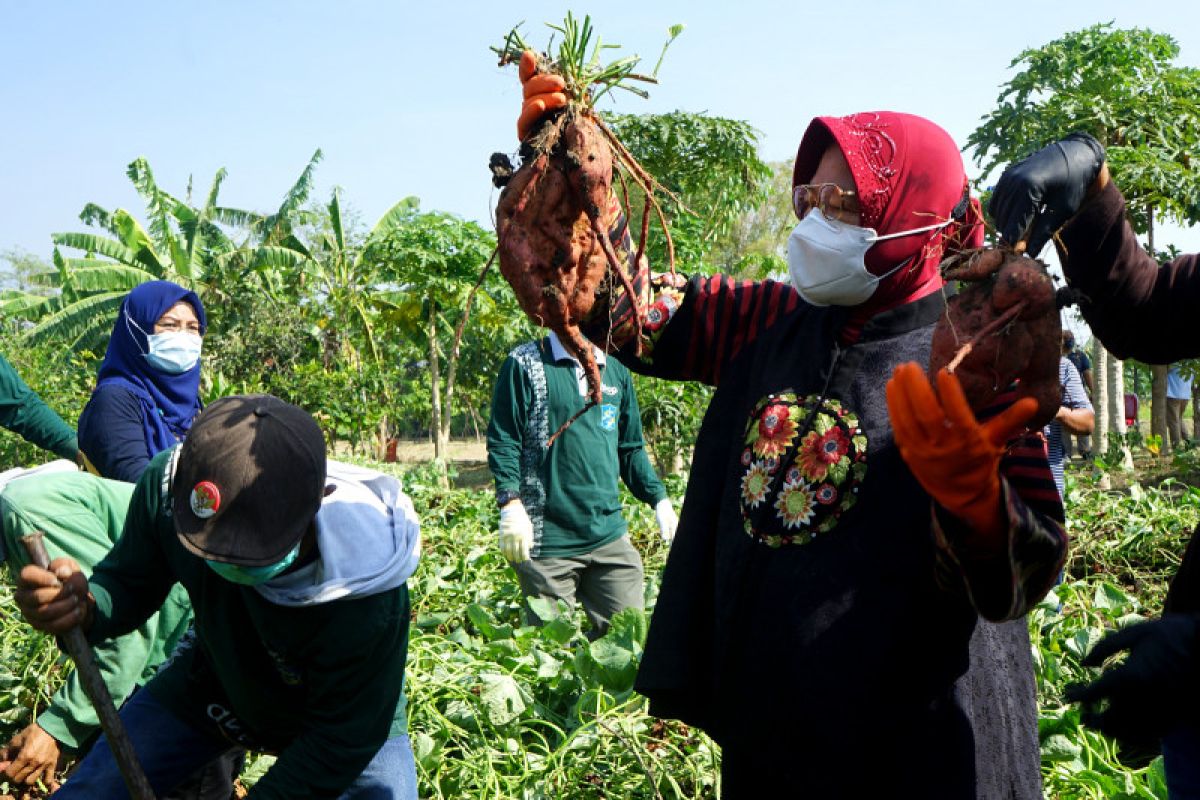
803	196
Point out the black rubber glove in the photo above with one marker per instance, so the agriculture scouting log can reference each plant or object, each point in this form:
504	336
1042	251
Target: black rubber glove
1156	688
1035	196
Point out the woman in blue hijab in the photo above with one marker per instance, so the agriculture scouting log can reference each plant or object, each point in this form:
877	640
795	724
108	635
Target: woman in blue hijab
148	388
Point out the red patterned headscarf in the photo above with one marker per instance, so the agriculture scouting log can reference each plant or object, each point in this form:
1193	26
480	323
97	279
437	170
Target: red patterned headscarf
908	174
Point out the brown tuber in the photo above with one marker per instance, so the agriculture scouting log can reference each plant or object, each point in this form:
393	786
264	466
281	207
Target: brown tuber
1002	327
553	241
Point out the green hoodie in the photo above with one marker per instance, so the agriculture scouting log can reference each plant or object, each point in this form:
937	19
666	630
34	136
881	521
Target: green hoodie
24	413
321	685
81	517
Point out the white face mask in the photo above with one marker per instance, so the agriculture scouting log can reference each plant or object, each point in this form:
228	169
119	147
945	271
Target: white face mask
174	352
827	260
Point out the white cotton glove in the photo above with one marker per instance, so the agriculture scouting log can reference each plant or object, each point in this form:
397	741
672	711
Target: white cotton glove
664	512
516	532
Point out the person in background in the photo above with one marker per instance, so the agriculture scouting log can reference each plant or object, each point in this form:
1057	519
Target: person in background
1138	309
25	414
1083	365
297	571
81	516
148	387
1179	392
561	525
1075	417
845	526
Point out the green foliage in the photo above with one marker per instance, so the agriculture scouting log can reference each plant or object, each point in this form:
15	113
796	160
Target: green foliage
1121	86
712	165
1078	762
498	709
671	416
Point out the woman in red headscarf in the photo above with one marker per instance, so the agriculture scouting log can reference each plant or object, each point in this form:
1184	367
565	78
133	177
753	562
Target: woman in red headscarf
832	558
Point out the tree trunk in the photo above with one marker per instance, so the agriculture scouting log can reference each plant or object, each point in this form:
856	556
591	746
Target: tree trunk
1116	400
1158	407
1158	383
1100	358
451	379
1195	415
440	444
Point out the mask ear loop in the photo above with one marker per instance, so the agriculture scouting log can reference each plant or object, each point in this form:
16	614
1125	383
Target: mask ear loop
129	321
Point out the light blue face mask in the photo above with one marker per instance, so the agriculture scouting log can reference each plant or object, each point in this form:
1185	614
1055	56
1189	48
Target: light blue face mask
174	352
253	576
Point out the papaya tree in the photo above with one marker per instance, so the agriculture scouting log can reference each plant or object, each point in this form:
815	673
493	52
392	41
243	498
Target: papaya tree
1124	88
434	261
714	176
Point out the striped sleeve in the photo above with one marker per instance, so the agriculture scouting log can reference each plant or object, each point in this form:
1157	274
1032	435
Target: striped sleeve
689	329
1006	585
716	319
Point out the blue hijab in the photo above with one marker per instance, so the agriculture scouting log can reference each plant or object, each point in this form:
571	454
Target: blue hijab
169	402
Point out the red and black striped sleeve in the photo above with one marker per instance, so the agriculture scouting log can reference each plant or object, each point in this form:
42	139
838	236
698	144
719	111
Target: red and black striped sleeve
693	332
690	329
1007	585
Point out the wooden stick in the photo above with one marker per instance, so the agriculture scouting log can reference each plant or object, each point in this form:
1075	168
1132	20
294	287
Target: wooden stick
75	643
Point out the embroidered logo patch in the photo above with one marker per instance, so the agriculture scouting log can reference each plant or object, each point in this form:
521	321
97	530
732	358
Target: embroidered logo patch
205	499
802	462
608	417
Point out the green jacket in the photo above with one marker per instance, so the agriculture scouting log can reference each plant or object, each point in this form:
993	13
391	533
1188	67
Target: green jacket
569	490
25	414
321	685
81	516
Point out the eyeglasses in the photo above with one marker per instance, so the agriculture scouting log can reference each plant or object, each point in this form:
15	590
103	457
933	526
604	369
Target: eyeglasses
169	325
805	197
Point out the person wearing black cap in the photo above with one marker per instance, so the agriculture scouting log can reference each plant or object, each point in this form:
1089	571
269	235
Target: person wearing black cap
296	570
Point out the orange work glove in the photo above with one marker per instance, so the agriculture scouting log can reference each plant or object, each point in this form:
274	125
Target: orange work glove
954	457
542	93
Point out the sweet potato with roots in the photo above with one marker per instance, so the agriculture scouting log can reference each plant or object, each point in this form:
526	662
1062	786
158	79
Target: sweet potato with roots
552	217
1002	326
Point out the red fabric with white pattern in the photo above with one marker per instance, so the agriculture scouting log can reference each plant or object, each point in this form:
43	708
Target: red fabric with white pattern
908	174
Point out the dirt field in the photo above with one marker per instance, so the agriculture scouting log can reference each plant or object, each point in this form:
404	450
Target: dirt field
468	457
465	450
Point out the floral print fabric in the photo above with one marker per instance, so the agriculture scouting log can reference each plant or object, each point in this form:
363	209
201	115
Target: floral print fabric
803	461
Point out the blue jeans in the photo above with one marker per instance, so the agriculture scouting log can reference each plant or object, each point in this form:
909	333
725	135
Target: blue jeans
171	750
1181	760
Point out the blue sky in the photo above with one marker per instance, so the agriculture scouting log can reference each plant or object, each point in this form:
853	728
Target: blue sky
404	98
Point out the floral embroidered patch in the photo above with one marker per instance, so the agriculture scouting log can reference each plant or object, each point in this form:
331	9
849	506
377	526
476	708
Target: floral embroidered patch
803	462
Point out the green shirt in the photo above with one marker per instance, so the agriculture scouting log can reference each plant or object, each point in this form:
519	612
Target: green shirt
25	414
321	685
570	489
81	516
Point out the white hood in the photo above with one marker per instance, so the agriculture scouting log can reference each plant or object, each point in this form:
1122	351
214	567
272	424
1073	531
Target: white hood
368	537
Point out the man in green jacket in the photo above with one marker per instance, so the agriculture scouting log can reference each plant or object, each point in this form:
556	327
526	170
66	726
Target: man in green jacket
560	510
25	414
297	573
80	516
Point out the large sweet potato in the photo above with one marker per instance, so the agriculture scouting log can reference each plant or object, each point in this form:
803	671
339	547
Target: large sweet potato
1002	327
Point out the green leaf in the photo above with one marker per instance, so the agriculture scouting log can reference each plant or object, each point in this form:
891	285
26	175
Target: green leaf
1060	748
609	664
426	751
501	698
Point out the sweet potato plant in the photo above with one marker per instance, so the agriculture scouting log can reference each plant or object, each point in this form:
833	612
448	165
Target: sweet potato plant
554	214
